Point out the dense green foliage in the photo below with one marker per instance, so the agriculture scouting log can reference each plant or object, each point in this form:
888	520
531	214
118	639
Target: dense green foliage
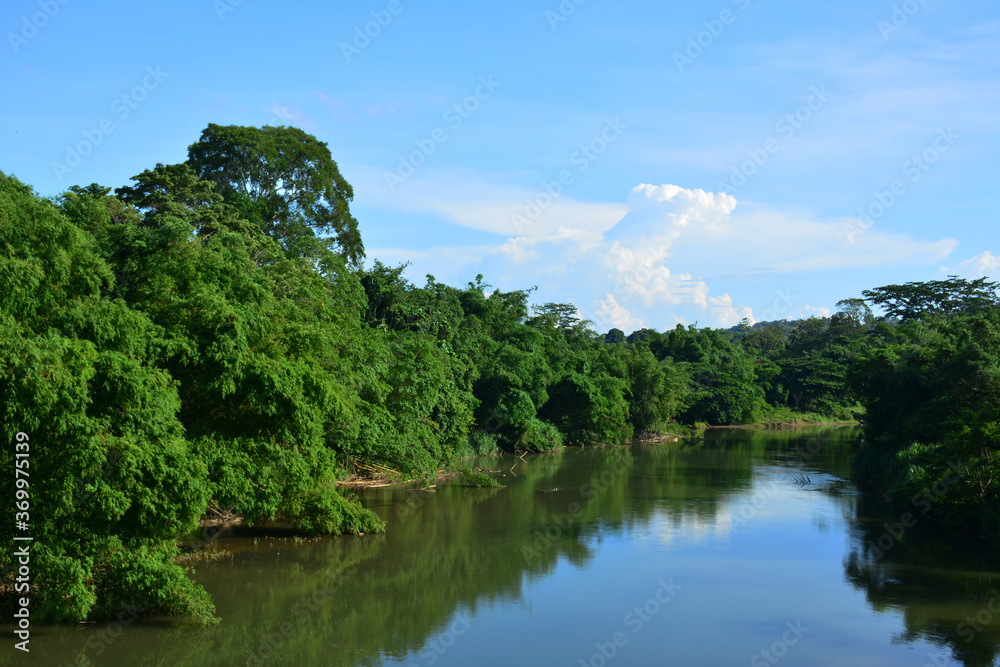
931	384
207	339
284	180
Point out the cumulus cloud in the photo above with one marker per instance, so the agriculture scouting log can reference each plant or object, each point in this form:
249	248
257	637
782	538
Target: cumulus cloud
654	261
612	314
664	211
728	315
817	311
984	265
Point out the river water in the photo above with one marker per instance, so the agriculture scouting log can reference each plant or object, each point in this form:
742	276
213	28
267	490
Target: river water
736	548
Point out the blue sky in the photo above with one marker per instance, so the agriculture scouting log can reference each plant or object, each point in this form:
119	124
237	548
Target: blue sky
652	163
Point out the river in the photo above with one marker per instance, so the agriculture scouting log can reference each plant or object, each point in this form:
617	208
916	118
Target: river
739	547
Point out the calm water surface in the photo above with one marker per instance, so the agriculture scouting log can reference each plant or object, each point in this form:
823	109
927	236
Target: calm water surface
738	548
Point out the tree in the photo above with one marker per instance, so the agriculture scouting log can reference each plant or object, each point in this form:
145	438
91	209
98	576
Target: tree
914	301
286	181
263	346
810	335
725	391
765	342
931	389
854	312
614	337
109	461
815	382
658	390
589	410
560	315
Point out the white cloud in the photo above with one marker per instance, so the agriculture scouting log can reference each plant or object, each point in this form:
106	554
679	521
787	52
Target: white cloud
786	242
663	212
984	265
658	258
484	202
817	311
726	314
611	314
573	245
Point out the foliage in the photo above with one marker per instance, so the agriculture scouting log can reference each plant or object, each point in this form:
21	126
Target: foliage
108	459
931	387
479	479
206	336
914	301
725	391
286	181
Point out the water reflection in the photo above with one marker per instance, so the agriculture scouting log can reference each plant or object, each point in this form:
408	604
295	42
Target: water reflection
751	523
945	583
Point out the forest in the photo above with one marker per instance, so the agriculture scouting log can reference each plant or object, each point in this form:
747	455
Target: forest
212	340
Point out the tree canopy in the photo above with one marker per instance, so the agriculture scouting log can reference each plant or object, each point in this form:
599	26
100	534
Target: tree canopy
914	301
286	181
205	339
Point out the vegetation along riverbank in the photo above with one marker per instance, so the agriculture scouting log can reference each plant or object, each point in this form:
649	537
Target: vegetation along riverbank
210	336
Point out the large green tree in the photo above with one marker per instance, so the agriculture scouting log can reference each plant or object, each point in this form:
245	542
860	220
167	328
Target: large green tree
286	181
931	387
936	297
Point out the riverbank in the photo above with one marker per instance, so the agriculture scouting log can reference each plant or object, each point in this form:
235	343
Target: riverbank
382	477
940	482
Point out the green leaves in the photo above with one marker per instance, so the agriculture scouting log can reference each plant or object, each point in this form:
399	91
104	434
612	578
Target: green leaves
724	376
914	301
126	331
658	390
931	387
285	181
207	335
